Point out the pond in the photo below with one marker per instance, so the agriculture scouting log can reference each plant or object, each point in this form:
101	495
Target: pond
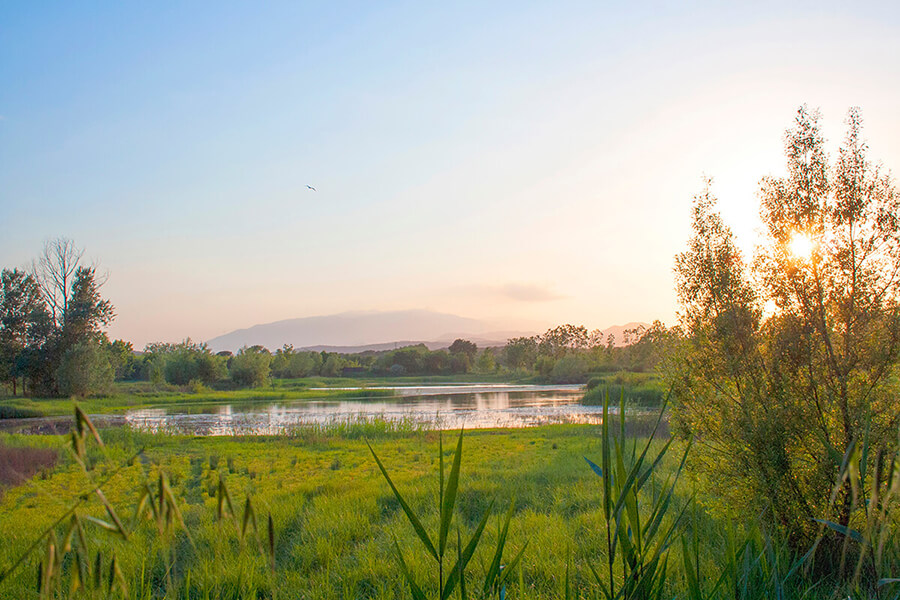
432	407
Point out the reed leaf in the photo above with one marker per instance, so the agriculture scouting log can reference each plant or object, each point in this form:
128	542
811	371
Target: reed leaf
467	553
449	495
82	421
460	574
493	573
249	518
112	514
413	587
271	547
413	519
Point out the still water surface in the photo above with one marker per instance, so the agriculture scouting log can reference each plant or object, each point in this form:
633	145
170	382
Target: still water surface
447	407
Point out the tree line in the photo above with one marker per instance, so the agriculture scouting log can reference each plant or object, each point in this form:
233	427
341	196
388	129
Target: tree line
53	342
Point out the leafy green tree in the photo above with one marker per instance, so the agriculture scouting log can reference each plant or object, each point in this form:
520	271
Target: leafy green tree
87	313
24	324
250	366
572	368
85	369
183	363
788	361
559	341
650	347
437	362
211	368
485	362
521	352
70	292
461	346
121	358
411	359
334	365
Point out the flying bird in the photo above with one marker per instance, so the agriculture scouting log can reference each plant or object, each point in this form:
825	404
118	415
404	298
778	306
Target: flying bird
311	187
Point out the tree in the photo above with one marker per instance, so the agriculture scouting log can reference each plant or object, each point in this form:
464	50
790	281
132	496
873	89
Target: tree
121	358
461	346
485	362
86	313
333	365
54	272
85	370
250	366
521	352
557	342
788	361
24	323
77	313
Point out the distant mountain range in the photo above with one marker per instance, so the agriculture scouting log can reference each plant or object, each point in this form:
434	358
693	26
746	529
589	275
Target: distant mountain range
375	330
370	330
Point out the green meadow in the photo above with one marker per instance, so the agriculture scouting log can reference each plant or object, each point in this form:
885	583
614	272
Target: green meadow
309	515
334	516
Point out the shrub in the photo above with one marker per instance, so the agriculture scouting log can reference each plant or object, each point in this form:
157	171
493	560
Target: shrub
85	370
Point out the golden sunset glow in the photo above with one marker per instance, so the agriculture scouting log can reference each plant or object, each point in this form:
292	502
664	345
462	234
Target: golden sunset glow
801	246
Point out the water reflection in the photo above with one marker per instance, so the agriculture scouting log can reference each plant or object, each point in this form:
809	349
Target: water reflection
445	407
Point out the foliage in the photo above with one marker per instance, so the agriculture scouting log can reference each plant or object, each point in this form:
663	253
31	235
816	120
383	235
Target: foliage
570	354
181	363
485	362
335	522
24	324
461	346
636	389
787	362
446	500
641	543
85	370
288	363
521	352
250	366
44	315
557	342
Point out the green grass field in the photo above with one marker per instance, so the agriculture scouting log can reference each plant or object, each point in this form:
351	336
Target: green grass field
334	515
335	519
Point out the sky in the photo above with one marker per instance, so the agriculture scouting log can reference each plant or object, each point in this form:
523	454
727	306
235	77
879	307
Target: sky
522	162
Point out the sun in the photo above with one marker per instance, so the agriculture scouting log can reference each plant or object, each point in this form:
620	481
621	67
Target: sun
801	246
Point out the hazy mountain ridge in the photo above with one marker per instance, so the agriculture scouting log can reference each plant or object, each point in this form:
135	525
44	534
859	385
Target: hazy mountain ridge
361	331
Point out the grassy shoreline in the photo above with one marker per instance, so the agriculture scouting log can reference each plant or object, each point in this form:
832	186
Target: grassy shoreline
131	395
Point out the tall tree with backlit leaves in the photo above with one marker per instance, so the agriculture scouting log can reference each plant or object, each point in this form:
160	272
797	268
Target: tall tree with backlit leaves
787	361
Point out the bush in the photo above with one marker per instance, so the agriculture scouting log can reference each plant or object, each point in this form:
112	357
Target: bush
572	368
85	370
250	367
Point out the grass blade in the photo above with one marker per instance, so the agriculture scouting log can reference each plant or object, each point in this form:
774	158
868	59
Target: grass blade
413	519
449	496
271	544
467	553
414	589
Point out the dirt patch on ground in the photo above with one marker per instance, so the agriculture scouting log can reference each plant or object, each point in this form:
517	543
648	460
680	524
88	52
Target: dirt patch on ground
17	465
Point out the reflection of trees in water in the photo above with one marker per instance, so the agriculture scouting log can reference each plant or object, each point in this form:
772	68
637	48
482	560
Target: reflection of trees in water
448	411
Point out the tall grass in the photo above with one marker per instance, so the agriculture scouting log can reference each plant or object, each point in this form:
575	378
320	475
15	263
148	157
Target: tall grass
324	515
496	575
638	543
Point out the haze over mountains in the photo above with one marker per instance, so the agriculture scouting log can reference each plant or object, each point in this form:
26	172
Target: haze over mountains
373	330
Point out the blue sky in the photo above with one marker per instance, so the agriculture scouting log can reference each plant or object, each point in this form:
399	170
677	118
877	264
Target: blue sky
531	162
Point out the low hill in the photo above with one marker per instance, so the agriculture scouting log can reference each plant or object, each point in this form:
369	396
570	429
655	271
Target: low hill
370	330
